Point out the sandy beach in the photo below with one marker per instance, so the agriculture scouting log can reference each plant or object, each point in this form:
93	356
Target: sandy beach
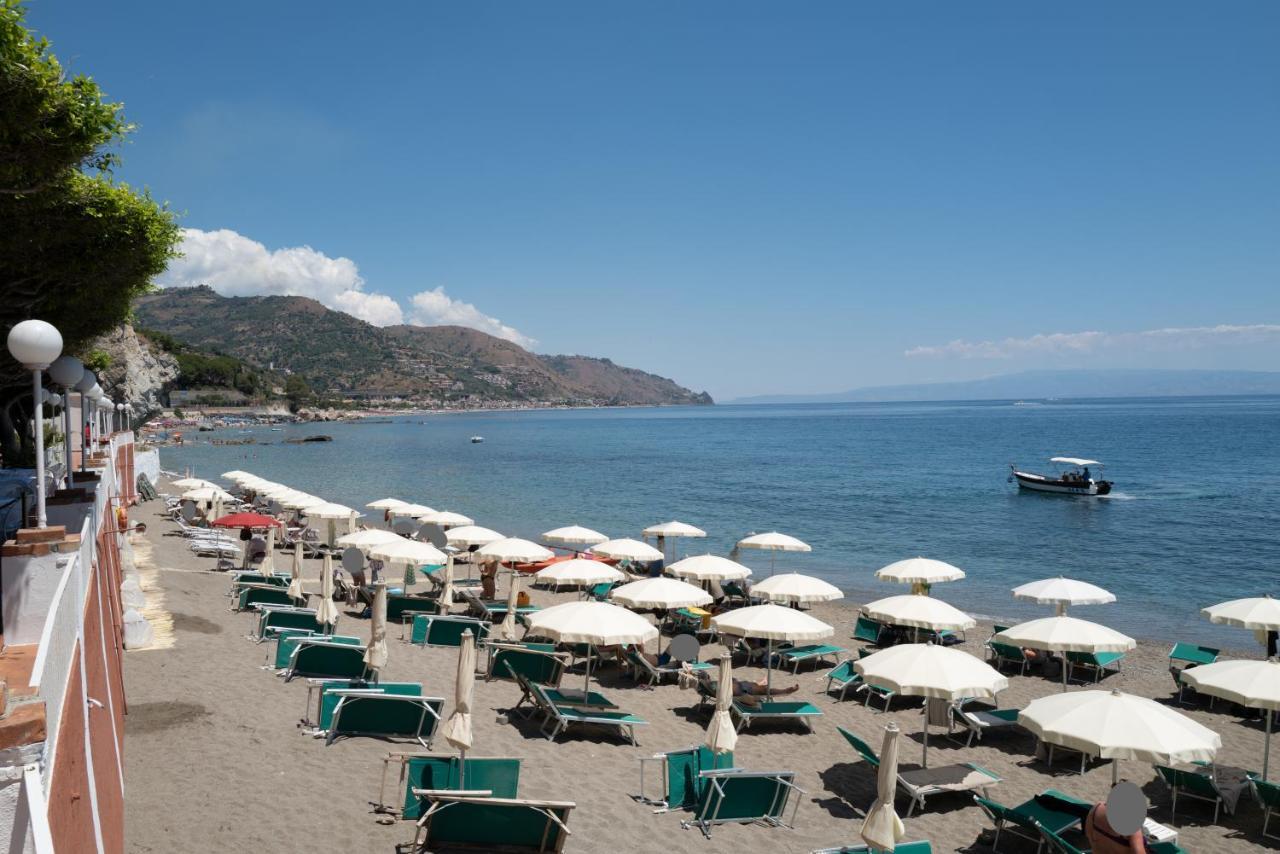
215	759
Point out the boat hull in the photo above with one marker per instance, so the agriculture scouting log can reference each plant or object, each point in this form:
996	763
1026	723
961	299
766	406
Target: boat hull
1056	486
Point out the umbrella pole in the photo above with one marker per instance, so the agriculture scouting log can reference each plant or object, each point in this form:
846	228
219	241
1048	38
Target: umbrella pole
1115	771
1064	671
462	768
1266	748
768	670
586	684
924	758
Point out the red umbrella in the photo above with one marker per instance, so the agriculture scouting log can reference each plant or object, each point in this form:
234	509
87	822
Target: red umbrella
247	520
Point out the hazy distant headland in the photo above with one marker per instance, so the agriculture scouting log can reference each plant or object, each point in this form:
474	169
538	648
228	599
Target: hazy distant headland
1026	385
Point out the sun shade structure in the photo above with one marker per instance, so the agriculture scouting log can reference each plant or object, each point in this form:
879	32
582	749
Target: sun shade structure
514	550
771	623
467	536
1253	684
1063	592
659	593
295	576
301	501
1074	461
1261	613
411	552
580	572
248	520
457	729
375	655
446	519
598	623
368	538
709	568
673	529
882	828
331	511
386	504
1065	634
326	611
626	549
935	672
794	587
918	612
195	483
920	570
1114	725
234	475
773	542
574	535
722	736
207	493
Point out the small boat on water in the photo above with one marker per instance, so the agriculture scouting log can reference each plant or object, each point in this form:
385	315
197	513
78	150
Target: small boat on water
1074	477
476	440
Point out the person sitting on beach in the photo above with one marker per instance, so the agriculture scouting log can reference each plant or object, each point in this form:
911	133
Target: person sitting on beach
1103	837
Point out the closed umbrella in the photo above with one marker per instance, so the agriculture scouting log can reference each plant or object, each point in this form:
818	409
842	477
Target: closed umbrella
919	572
934	672
1113	725
327	611
773	542
722	736
882	828
1062	593
375	656
1064	634
457	729
446	592
1253	684
598	623
216	511
574	535
794	587
268	560
295	575
770	623
918	612
580	572
709	568
507	629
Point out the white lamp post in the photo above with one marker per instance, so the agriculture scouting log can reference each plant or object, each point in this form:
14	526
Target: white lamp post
86	382
66	371
120	417
35	344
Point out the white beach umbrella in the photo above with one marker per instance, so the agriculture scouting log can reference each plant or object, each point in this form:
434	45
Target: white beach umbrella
1063	592
659	592
722	736
1261	613
794	587
673	529
1065	634
598	623
919	572
514	550
368	538
918	612
627	549
375	655
412	510
386	504
1113	725
234	475
295	575
326	611
207	493
881	829
773	542
1253	684
301	501
269	560
507	628
402	552
195	483
709	568
935	672
574	535
446	519
457	729
466	536
580	572
770	623
273	490
331	511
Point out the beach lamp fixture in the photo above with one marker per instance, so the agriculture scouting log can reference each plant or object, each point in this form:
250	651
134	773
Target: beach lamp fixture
87	381
35	345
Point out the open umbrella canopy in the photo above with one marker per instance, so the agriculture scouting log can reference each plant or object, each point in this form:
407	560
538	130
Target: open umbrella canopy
331	511
514	550
466	536
386	504
414	510
580	572
591	622
1063	592
1261	613
1066	634
446	519
300	501
194	483
659	593
673	529
928	670
774	542
920	570
1113	725
709	568
368	538
235	475
919	612
274	490
772	622
574	535
1252	684
794	587
411	552
626	549
248	520
207	493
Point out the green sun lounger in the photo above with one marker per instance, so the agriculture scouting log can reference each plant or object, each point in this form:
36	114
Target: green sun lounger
1051	809
1190	784
739	796
432	630
263	594
325	659
541	666
288	641
654	674
1099	662
869	631
775	710
844	677
560	717
921	783
1268	795
979	720
1003	654
455	820
796	655
919	847
273	619
497	775
681	776
386	716
1184	655
334	690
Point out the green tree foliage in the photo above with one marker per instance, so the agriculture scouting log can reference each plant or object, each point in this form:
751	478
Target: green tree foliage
76	247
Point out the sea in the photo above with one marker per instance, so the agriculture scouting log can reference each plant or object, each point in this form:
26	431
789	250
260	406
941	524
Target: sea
1194	517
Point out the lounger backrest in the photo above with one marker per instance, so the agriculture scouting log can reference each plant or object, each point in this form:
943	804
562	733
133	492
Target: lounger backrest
331	694
386	715
290	619
867	630
1057	844
327	660
251	596
491	823
446	631
288	640
1193	653
864	749
499	776
1268	793
843	671
397	605
731	795
542	667
1007	650
1196	783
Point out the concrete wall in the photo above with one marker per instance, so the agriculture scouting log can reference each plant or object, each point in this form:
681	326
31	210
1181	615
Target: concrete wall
148	463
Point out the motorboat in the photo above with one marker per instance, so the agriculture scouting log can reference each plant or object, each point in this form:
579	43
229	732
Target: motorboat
1074	477
476	440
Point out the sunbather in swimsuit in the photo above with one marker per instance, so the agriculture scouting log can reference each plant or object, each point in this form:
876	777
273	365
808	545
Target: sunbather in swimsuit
1104	840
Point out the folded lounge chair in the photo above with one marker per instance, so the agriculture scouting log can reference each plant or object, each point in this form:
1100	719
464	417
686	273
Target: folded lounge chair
980	720
263	594
333	690
497	775
1049	809
796	655
739	796
474	819
429	630
560	717
273	619
921	783
326	659
681	776
361	713
1268	795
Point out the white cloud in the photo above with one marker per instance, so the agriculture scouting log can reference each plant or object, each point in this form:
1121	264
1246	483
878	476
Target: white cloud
436	308
235	265
1091	343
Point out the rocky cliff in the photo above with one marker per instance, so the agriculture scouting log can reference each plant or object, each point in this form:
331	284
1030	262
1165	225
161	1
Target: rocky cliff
138	372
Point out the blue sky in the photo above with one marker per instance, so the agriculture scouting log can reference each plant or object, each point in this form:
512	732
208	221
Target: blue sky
746	197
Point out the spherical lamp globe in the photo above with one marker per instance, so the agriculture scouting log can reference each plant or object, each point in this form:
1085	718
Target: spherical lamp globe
35	344
66	371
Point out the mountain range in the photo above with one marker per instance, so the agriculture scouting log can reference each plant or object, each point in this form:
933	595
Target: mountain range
338	354
1059	384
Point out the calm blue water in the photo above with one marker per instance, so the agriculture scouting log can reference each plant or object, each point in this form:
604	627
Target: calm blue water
1194	519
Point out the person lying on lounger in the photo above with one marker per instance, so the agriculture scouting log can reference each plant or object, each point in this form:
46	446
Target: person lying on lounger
748	692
